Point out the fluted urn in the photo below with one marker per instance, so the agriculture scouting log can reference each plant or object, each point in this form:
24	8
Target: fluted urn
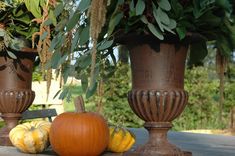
15	90
157	96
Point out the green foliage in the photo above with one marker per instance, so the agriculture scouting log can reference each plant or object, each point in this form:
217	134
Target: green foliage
20	20
229	96
202	109
37	74
174	20
1	124
68	103
116	108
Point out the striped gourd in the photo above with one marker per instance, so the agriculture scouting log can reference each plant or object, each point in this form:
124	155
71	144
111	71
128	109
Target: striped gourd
120	139
31	137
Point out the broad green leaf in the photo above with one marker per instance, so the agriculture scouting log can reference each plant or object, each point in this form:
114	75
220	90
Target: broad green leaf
106	44
163	16
231	28
198	11
20	30
177	9
66	72
157	18
132	6
17	13
75	41
55	59
24	19
69	95
7	39
210	20
11	54
120	2
91	90
54	43
44	35
61	25
187	24
43	3
31	32
168	29
155	31
59	9
48	22
144	19
56	40
2	32
84	36
64	93
114	21
84	5
164	4
63	59
181	31
84	81
84	61
52	17
133	21
115	18
73	21
172	24
225	4
34	7
17	44
93	86
198	51
140	7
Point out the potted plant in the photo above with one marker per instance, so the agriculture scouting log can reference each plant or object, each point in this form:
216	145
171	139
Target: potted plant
25	32
158	34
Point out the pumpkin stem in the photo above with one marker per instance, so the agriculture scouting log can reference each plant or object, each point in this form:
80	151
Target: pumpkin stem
79	104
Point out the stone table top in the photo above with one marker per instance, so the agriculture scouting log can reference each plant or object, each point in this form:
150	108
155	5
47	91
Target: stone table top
198	144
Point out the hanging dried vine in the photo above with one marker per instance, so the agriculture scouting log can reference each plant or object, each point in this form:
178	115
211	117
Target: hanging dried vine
97	13
43	45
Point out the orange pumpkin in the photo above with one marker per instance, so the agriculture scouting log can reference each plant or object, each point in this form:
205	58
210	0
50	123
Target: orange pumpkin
79	134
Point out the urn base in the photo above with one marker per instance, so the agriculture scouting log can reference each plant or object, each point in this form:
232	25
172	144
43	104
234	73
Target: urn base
11	120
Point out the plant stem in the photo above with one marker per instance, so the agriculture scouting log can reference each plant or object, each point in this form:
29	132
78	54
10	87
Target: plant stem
79	104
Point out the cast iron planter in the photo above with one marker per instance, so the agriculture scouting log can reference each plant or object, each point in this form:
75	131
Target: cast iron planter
15	89
157	95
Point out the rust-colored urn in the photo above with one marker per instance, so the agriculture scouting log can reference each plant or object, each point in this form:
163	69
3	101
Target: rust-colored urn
157	95
15	90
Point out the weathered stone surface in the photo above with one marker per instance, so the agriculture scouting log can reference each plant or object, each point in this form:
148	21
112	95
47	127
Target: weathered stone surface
198	144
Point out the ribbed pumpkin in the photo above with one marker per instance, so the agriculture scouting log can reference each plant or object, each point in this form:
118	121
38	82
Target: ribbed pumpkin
79	133
31	137
120	139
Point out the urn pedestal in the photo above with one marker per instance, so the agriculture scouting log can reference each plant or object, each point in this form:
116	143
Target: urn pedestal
157	95
15	90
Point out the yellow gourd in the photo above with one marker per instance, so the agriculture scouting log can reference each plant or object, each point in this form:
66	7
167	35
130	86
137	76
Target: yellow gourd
120	140
31	137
